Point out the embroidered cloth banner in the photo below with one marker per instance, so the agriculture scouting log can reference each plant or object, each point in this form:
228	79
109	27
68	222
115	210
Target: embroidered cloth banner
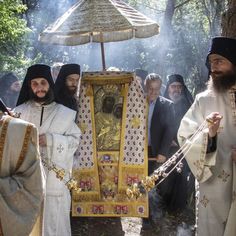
113	150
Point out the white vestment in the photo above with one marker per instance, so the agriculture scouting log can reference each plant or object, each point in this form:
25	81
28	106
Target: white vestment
21	178
215	171
63	136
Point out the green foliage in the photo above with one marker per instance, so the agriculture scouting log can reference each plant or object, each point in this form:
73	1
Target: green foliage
183	46
13	31
194	24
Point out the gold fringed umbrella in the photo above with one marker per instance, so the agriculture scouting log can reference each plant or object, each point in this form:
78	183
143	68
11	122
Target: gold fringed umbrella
99	21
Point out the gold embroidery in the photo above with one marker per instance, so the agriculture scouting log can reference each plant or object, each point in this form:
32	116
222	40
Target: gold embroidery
199	164
224	176
24	147
204	201
135	122
83	127
103	173
232	103
89	91
4	124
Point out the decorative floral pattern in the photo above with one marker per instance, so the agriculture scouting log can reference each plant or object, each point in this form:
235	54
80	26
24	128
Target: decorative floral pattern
141	209
232	95
121	209
98	209
84	154
135	132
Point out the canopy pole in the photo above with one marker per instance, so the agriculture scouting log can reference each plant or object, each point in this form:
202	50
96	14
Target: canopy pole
103	56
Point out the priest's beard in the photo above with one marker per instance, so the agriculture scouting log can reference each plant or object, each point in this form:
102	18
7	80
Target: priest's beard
70	91
47	99
176	97
221	82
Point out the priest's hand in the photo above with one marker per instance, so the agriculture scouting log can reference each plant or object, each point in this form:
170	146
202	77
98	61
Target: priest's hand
234	154
161	158
42	140
213	123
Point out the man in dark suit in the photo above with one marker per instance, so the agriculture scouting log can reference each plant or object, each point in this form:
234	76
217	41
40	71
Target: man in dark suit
160	119
160	135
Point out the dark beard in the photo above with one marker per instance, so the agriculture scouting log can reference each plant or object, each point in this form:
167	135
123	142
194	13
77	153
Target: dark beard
70	92
47	99
223	82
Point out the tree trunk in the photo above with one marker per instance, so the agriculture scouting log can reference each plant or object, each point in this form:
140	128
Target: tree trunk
168	16
229	20
165	38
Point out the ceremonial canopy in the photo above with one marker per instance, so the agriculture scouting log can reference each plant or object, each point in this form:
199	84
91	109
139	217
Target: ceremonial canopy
99	21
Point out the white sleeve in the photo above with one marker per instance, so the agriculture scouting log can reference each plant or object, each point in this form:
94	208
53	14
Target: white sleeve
64	146
199	162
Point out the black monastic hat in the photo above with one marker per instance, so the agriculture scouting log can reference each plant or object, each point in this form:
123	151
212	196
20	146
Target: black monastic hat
67	69
225	47
34	71
178	78
175	78
59	90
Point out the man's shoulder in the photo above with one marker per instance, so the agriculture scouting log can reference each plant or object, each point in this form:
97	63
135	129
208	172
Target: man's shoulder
205	95
21	106
65	110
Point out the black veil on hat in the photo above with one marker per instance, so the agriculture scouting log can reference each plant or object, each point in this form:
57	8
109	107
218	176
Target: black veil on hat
66	70
223	46
34	71
178	78
6	81
61	95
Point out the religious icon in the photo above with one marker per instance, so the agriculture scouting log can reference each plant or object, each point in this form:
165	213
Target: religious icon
108	113
112	154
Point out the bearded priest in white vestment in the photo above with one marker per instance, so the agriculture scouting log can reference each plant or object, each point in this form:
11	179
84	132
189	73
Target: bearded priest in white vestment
58	139
21	178
212	156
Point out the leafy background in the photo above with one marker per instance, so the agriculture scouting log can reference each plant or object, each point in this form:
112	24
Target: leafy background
181	47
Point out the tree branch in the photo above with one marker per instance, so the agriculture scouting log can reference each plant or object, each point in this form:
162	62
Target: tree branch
183	3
